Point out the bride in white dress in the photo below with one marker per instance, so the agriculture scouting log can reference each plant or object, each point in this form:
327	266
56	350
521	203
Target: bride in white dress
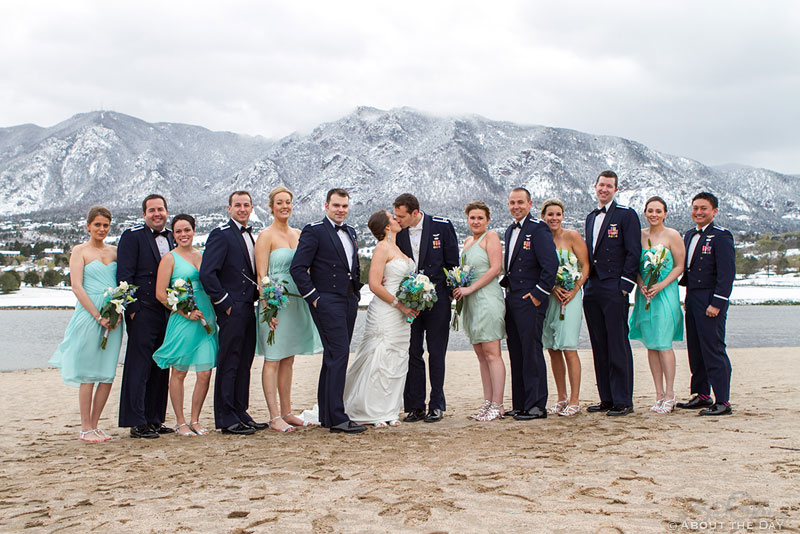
373	391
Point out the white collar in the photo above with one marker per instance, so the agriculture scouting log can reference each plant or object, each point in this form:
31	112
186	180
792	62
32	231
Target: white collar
418	227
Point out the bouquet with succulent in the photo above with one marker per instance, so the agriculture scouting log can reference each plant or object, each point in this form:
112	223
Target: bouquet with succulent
416	291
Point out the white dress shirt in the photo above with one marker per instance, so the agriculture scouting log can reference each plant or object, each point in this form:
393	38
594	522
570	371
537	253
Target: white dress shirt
415	235
347	243
162	244
512	243
248	242
598	223
693	245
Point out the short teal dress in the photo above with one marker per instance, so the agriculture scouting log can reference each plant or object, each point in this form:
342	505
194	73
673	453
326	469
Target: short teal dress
662	324
79	356
558	334
187	346
483	315
296	332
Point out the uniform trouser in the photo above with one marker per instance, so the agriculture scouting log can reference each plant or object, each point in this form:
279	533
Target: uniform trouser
528	370
237	344
431	328
705	342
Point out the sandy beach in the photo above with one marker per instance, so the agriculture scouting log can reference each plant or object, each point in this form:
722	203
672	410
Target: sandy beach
589	473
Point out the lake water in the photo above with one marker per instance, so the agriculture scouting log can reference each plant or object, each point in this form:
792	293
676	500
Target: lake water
29	337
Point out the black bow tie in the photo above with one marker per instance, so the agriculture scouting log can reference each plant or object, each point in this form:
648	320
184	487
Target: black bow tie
156	233
516	225
248	229
340	228
694	231
598	211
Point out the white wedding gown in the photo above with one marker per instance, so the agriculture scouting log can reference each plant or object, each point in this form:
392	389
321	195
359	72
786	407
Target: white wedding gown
373	390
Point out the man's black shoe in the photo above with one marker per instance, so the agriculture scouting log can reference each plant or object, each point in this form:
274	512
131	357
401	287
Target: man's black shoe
434	415
620	410
257	426
348	427
240	429
414	416
533	413
143	431
696	403
718	408
601	407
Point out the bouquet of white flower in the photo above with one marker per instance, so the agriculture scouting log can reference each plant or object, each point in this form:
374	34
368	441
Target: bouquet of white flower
116	300
459	276
417	292
566	276
180	297
655	260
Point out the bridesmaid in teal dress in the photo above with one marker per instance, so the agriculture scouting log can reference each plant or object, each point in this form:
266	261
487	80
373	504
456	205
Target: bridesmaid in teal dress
294	328
93	269
662	324
187	346
483	315
560	337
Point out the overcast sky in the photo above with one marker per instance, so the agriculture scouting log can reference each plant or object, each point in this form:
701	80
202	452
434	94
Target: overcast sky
715	81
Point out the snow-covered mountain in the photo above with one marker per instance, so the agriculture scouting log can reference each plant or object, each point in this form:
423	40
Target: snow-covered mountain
115	160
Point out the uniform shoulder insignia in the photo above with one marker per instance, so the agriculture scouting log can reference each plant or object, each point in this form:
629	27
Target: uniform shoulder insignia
136	228
224	227
623	207
315	223
533	219
441	219
720	228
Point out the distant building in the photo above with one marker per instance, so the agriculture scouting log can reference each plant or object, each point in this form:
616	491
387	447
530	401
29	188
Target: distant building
9	252
51	251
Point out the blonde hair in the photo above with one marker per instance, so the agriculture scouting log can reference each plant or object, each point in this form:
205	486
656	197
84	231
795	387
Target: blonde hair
278	190
552	202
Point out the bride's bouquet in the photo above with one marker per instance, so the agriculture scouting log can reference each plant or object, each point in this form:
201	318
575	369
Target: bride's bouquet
180	297
459	276
416	291
566	276
274	297
655	260
116	300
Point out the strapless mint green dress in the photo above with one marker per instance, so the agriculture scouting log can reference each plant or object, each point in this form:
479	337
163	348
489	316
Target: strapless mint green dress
558	334
187	346
662	324
483	316
79	356
296	332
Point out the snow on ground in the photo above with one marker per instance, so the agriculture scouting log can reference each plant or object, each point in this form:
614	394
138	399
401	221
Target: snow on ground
744	292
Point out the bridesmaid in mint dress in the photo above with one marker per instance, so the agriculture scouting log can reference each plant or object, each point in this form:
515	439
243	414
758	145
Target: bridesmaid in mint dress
483	315
294	328
560	337
93	269
662	324
187	346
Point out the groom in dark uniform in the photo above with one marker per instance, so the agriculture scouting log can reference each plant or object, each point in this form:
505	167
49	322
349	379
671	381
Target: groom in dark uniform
228	276
708	277
326	270
531	264
432	243
614	239
143	398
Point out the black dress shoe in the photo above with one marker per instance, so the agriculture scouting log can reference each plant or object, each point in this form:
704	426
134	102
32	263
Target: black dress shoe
718	408
601	407
143	431
158	428
695	403
348	427
256	426
414	416
620	410
240	429
434	415
511	413
533	413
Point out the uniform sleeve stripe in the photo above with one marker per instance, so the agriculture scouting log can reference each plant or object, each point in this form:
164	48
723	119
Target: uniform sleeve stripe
628	280
220	300
720	297
309	293
542	290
